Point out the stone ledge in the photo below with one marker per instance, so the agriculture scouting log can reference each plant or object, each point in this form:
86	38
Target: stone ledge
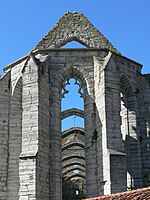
28	155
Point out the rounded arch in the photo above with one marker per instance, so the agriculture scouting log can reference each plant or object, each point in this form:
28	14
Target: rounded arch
72	144
73	168
73	175
125	82
73	161
71	112
127	90
71	130
17	82
73	156
79	163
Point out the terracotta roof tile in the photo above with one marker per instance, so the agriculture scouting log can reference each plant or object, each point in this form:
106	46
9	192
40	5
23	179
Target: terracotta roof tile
139	194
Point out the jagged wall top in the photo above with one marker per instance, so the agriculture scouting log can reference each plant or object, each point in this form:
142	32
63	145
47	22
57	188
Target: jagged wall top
74	26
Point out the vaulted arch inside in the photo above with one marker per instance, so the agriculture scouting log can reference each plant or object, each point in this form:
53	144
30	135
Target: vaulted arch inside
73	141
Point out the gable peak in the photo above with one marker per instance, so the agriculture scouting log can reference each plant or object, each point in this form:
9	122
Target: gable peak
74	26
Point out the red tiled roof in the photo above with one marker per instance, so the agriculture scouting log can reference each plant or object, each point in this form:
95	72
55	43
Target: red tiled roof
139	194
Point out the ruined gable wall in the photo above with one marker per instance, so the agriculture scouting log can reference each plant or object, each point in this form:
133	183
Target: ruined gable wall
74	26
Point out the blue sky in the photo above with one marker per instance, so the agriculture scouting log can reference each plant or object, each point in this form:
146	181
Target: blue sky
126	23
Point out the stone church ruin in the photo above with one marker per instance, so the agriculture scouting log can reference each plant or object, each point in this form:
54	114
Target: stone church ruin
110	154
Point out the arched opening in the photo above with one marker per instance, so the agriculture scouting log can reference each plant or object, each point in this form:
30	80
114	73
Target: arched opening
124	115
60	81
73	44
73	141
130	134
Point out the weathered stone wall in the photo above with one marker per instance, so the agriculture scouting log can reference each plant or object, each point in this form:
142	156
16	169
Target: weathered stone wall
118	172
4	132
35	123
144	123
43	158
15	131
15	135
30	130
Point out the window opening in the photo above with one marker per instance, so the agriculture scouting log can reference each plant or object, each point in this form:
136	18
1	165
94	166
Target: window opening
72	94
73	44
77	192
124	116
73	140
